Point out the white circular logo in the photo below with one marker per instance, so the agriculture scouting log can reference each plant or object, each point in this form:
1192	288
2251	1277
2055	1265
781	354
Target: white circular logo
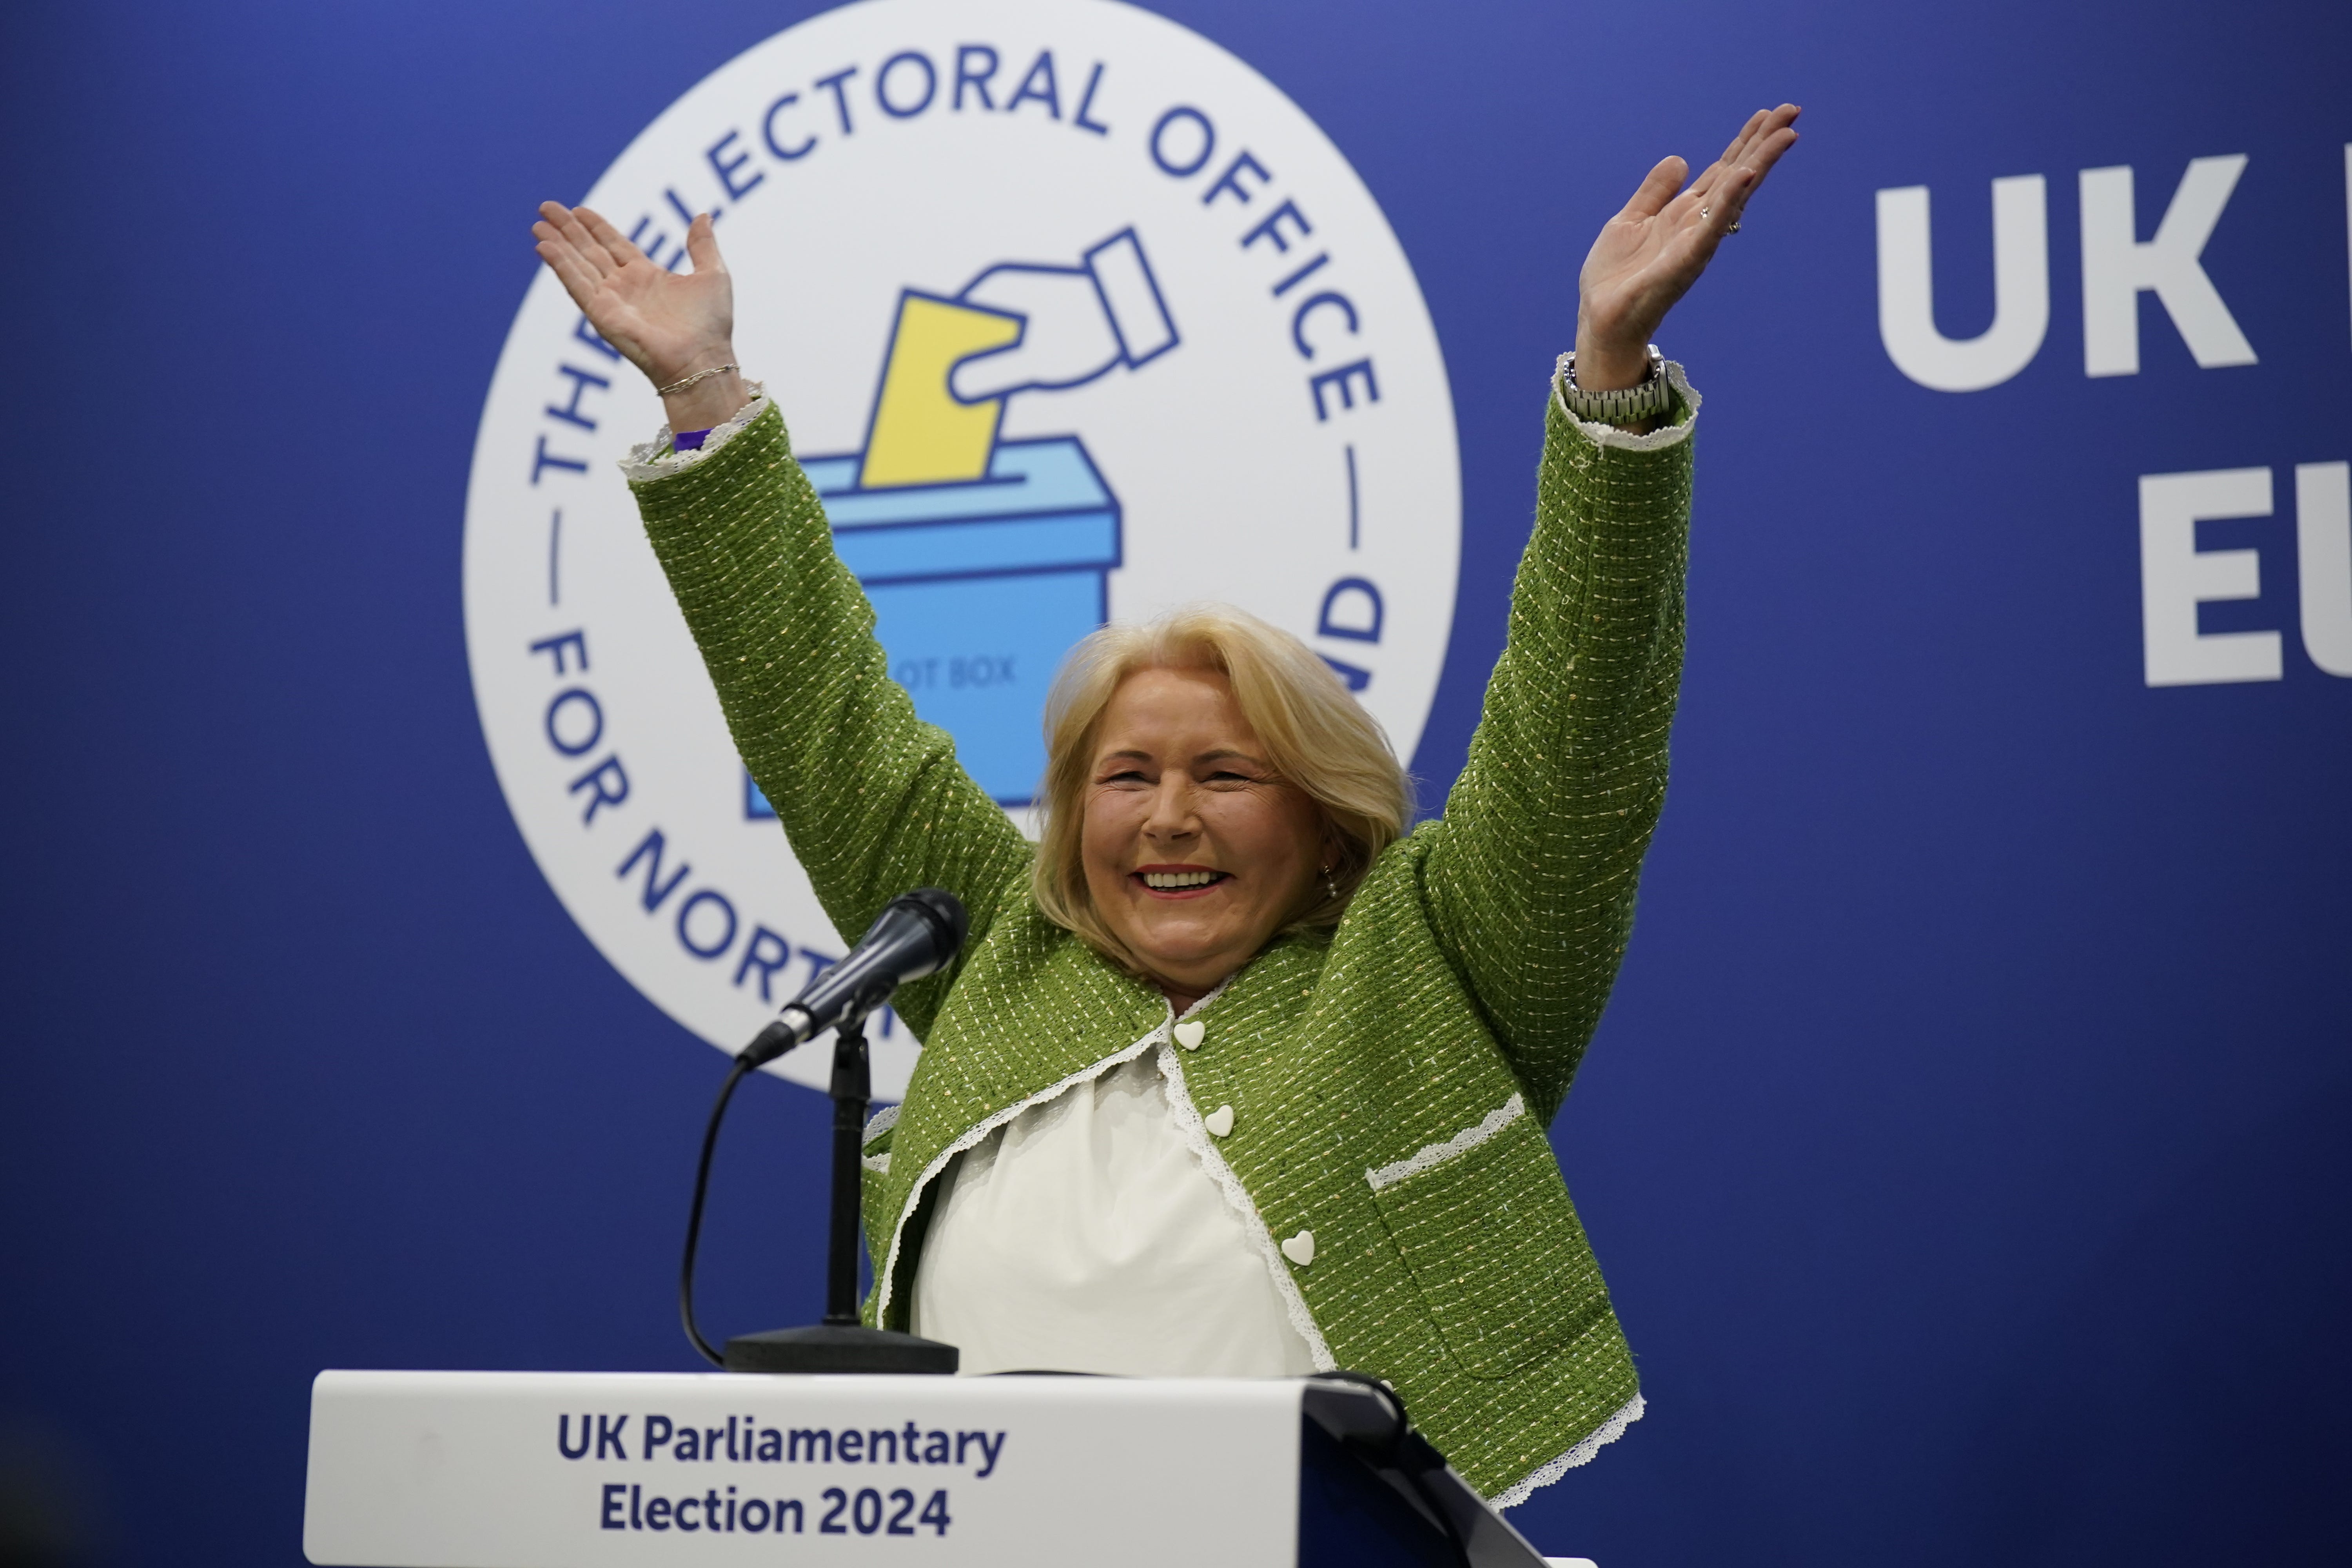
1073	317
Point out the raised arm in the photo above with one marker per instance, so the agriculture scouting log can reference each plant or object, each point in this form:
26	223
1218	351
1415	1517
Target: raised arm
1530	876
872	798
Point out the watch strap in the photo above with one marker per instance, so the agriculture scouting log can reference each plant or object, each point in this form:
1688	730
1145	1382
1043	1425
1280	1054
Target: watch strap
1648	399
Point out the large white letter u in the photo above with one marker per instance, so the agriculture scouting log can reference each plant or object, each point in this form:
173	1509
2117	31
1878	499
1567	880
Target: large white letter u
2020	289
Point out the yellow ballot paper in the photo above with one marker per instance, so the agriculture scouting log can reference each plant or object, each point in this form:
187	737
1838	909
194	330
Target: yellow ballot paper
920	433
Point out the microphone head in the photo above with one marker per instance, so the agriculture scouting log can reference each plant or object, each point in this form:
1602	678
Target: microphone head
915	934
945	914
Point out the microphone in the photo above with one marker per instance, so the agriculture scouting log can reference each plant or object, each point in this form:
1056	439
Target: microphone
915	935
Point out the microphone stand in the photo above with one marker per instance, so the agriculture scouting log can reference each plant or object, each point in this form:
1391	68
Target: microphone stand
841	1343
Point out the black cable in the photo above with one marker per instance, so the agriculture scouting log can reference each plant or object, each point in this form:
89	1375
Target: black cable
694	1217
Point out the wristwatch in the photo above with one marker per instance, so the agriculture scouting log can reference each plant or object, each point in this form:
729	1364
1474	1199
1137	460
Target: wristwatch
1646	400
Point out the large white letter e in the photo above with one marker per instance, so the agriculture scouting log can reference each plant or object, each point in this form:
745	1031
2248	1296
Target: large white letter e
2175	577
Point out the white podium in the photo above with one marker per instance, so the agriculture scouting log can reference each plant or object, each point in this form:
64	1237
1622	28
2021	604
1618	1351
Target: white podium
578	1471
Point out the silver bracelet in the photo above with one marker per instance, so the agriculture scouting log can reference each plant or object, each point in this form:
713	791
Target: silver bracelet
690	381
1647	399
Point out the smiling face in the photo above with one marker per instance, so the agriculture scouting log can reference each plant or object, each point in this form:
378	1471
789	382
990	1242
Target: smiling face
1195	850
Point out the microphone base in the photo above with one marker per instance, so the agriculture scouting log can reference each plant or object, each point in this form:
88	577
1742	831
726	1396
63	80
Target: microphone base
838	1347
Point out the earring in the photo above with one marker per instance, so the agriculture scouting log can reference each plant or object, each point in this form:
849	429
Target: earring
1330	889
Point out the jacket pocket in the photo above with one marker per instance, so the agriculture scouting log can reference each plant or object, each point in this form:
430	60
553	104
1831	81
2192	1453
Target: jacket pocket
1483	1224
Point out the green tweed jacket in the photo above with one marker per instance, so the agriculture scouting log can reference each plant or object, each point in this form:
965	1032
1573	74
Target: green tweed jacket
1391	1082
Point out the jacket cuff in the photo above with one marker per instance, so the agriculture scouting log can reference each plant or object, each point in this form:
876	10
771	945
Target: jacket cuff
1682	418
659	459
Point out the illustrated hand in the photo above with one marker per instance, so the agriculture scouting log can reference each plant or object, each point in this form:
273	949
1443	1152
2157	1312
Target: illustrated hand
1067	339
1650	254
667	324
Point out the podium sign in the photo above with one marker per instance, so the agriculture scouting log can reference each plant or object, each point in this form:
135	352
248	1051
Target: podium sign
574	1470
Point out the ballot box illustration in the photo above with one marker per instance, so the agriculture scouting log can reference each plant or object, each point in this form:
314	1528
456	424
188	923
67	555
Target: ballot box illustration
985	558
979	589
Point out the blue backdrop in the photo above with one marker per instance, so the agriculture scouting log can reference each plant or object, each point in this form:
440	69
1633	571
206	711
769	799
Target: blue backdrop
1966	1144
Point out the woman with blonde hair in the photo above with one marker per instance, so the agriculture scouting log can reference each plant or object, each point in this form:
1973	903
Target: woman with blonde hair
1234	1074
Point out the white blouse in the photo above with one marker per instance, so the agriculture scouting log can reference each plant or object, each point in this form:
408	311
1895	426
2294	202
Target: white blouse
1086	1235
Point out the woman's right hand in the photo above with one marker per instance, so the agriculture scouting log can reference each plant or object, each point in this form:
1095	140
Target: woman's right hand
669	325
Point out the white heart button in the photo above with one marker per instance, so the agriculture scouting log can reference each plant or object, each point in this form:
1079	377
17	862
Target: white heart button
1220	1121
1301	1248
1189	1033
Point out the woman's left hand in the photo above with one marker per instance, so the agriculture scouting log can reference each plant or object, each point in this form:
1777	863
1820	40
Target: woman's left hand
1650	254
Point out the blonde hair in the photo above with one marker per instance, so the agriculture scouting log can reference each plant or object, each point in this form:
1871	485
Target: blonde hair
1318	737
